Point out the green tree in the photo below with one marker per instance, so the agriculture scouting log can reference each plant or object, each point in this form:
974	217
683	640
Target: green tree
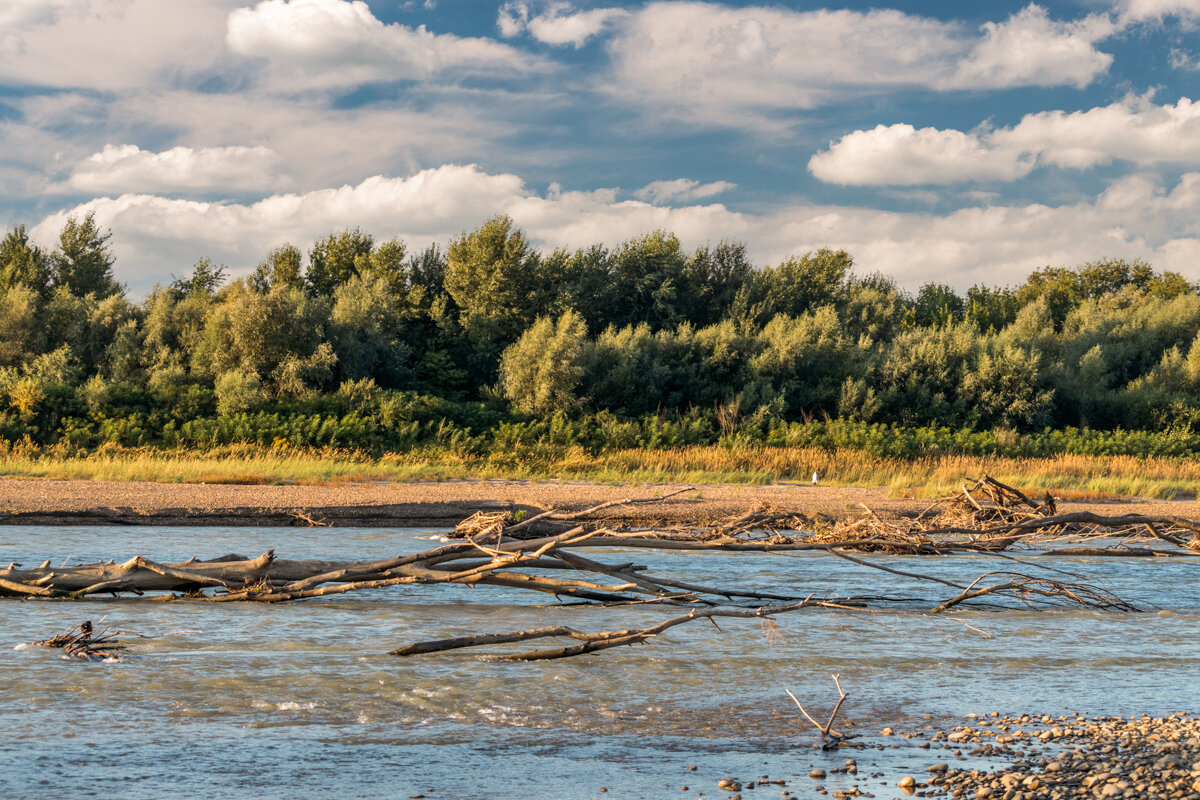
937	304
82	263
367	328
23	263
279	336
649	283
206	278
541	371
492	275
337	258
716	275
992	309
19	340
283	268
799	285
237	391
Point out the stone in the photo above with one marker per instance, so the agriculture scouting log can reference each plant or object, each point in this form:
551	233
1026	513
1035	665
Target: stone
817	774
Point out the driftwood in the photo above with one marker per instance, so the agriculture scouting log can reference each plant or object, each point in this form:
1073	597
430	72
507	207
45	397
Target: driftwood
829	737
988	518
603	639
85	643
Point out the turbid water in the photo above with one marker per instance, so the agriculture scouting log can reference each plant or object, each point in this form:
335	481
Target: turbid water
301	700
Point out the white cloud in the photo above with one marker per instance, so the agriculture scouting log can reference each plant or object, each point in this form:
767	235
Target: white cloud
715	60
559	24
1142	10
901	155
681	190
733	65
109	44
1135	217
128	168
1179	59
340	42
154	235
1133	130
318	146
1030	49
16	14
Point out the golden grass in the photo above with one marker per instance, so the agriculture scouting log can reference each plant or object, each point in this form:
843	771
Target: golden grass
1073	476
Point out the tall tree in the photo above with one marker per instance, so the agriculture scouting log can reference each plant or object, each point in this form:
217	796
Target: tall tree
23	263
492	275
337	258
281	268
82	263
206	278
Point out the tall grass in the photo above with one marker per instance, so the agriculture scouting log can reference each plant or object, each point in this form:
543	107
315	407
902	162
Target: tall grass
1085	475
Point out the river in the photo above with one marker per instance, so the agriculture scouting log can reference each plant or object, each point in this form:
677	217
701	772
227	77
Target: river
301	700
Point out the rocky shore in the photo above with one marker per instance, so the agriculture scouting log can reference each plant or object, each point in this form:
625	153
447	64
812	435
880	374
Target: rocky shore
1044	757
1064	757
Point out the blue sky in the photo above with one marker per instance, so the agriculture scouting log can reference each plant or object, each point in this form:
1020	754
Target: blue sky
948	141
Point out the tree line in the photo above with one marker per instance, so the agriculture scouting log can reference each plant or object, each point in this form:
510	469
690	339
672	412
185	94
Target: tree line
490	331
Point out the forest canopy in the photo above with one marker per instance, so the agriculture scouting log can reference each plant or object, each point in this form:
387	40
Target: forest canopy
366	343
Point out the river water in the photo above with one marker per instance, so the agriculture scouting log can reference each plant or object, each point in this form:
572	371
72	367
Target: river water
301	700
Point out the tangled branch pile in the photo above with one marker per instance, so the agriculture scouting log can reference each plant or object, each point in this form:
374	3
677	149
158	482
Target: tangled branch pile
85	643
987	518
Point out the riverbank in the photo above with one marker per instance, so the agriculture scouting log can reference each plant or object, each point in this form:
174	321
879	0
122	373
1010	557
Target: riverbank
1071	476
1052	757
444	503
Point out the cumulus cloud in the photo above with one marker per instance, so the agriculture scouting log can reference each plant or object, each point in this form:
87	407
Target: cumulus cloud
559	24
681	190
128	168
1030	49
1135	217
1133	130
717	62
340	42
901	155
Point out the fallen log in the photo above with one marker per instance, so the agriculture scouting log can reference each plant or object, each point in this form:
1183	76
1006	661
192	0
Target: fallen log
566	565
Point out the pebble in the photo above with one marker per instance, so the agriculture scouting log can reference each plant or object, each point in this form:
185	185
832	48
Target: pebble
1074	757
817	773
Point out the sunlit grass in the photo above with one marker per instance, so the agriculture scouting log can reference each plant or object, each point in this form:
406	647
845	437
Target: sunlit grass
1072	476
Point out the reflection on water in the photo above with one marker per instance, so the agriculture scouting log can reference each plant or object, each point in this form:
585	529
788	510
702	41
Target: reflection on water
300	699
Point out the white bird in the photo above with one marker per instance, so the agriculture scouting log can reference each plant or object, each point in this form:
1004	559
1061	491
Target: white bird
816	478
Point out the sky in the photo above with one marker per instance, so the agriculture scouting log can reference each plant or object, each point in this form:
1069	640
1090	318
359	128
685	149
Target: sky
942	141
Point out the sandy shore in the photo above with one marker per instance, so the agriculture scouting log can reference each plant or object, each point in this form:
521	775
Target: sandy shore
444	503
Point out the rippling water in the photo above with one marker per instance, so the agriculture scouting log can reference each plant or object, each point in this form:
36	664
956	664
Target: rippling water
301	700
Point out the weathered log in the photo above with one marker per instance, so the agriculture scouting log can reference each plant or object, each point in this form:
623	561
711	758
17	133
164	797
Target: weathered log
602	640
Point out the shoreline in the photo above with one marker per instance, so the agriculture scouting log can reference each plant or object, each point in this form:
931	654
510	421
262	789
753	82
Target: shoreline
38	501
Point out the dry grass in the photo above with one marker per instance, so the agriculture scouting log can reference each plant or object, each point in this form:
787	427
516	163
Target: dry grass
1072	476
